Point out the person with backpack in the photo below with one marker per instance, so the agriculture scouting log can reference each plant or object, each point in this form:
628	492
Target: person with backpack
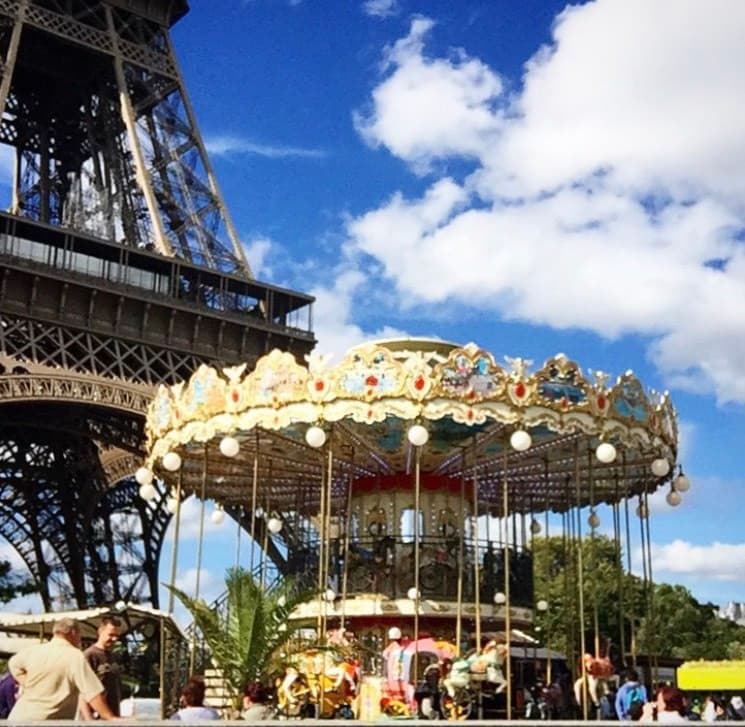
630	694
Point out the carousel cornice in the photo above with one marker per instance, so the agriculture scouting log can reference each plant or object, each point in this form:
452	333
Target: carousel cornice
471	406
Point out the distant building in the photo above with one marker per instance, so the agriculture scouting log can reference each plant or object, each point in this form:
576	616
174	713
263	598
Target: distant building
733	612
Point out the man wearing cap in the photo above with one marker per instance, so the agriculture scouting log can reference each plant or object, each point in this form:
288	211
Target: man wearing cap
53	676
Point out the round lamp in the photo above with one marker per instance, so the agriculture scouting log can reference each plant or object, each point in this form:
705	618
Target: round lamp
330	595
143	476
535	527
172	505
520	440
673	498
412	594
682	483
593	520
259	512
542	605
394	633
660	467
229	446
315	437
171	461
642	510
605	452
218	516
418	435
148	492
274	525
500	598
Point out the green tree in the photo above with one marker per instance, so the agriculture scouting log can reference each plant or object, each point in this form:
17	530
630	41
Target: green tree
12	584
249	628
678	625
609	595
661	619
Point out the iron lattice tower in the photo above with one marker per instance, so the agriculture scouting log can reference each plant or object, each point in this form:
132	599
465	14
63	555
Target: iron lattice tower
119	269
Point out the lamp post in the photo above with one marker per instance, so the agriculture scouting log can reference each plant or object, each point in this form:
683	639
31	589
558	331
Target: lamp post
542	607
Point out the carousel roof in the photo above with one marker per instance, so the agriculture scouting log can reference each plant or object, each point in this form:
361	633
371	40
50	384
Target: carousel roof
469	404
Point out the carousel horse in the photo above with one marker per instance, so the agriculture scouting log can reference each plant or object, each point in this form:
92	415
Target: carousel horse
597	671
319	681
481	666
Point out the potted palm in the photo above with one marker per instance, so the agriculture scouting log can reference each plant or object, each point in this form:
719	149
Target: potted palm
246	633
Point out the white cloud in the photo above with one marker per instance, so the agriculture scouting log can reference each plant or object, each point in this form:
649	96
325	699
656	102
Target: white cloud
381	8
210	587
605	194
716	561
332	313
428	108
258	253
232	145
189	526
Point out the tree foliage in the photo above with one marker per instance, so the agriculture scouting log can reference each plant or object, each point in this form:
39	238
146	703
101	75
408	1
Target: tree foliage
653	619
13	585
249	628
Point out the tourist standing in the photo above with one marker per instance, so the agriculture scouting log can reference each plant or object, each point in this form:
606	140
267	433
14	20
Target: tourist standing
102	660
630	696
53	677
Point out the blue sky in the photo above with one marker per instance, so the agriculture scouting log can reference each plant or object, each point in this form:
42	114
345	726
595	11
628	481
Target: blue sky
531	176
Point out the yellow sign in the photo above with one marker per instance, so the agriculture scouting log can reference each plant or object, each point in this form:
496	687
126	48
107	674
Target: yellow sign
712	675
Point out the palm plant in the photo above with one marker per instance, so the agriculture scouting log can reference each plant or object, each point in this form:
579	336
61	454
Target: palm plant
248	630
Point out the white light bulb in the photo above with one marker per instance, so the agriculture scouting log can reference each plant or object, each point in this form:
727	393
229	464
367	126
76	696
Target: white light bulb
542	605
412	594
218	516
148	492
259	512
171	461
229	446
330	595
143	476
500	598
642	511
605	452
660	467
315	437
274	525
172	505
673	498
520	440
535	527
418	435
593	520
682	483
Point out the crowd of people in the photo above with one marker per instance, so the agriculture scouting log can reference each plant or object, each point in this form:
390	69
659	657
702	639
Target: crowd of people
57	680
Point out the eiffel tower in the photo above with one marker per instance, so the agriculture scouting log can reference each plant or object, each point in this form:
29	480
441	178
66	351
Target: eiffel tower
120	269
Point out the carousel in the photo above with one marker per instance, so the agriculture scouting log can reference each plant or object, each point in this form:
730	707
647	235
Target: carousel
404	485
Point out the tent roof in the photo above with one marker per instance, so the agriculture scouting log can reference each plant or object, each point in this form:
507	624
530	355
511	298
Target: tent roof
40	625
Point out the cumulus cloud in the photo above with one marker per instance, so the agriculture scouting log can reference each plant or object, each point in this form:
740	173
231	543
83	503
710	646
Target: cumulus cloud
332	313
381	8
717	561
604	193
233	145
258	253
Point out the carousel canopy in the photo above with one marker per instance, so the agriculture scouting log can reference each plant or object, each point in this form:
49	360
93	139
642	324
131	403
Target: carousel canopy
554	437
